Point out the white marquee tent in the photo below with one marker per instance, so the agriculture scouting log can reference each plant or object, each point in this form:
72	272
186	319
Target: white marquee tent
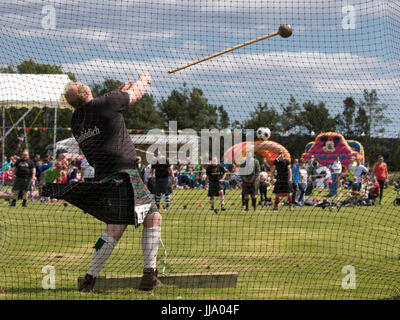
29	91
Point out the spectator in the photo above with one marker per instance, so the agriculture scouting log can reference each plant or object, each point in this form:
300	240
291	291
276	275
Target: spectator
160	173
203	177
358	171
295	179
380	171
140	166
283	183
21	140
147	178
36	158
263	186
373	189
53	174
265	166
336	171
216	173
303	183
87	171
73	174
322	177
24	175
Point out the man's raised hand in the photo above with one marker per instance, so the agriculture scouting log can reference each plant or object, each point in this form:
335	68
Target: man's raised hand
145	77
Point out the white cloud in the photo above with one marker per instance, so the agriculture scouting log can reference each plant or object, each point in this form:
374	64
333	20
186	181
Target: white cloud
355	85
59	34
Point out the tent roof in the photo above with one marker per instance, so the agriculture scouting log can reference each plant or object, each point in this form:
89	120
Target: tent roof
33	90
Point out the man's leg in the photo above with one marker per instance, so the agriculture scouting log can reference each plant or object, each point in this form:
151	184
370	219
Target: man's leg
15	197
211	203
222	199
254	201
158	200
291	201
167	201
150	241
294	192
24	197
102	251
276	202
381	187
246	201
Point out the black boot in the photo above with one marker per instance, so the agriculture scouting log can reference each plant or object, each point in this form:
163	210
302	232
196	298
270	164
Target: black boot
88	284
254	203
13	203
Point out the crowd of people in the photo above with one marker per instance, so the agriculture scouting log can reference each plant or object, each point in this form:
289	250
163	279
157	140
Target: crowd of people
27	176
295	181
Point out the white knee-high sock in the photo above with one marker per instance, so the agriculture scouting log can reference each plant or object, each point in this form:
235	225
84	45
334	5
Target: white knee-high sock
102	250
150	241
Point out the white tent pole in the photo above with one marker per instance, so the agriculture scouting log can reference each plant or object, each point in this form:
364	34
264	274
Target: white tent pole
26	135
15	124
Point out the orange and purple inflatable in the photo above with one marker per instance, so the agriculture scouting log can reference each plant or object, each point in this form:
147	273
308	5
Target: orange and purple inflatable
328	146
266	148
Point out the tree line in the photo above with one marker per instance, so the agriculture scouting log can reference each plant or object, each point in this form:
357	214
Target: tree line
358	120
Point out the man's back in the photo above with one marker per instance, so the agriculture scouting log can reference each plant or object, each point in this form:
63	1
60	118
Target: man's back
100	131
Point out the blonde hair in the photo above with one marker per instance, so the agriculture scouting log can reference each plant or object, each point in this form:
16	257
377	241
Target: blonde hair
76	94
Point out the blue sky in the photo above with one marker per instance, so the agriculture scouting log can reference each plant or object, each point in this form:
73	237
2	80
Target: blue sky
120	39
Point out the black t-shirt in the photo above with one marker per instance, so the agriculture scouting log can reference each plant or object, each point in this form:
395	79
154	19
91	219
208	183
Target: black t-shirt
101	133
24	168
282	169
215	172
161	169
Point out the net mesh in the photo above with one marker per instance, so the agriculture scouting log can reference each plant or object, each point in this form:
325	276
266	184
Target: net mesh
338	72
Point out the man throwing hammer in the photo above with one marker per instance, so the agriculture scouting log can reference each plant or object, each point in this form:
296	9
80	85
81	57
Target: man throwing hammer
117	196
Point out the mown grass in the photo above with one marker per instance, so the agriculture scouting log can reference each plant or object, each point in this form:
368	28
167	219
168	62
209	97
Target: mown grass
278	255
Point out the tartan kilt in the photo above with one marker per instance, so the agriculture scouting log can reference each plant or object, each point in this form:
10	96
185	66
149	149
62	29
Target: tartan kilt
111	199
22	184
162	186
214	188
250	188
282	186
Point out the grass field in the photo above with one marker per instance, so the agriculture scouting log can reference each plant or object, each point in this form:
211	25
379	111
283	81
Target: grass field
278	255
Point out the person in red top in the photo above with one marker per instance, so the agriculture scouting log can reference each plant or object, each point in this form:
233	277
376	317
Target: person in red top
373	189
381	174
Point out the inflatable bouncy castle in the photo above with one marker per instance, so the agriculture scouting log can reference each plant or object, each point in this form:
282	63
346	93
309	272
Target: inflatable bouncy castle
328	146
266	148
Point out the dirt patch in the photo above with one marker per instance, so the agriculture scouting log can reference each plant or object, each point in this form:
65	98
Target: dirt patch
55	256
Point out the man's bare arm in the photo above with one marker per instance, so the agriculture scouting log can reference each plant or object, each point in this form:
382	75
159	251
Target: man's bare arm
138	89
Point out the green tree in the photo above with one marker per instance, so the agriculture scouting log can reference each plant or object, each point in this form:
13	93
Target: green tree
223	118
263	116
348	116
8	69
99	89
362	124
316	118
143	114
375	111
190	109
31	67
290	115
